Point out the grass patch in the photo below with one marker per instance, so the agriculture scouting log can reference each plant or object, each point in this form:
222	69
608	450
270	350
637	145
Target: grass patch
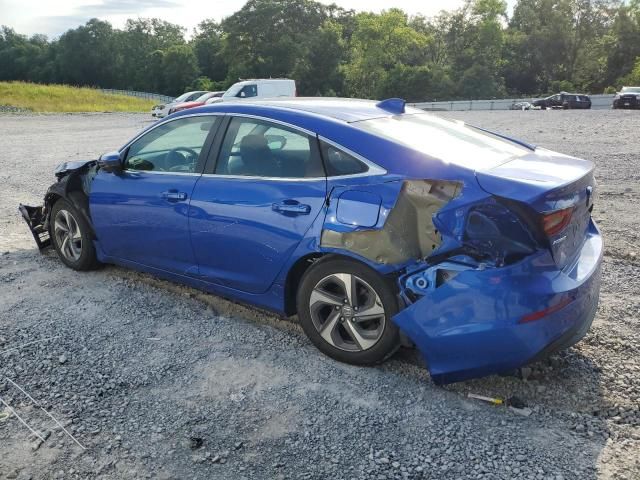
62	98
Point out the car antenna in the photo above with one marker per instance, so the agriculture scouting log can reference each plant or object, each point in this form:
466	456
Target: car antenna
393	105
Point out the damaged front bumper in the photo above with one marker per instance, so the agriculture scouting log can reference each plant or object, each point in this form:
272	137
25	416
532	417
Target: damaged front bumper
36	219
493	320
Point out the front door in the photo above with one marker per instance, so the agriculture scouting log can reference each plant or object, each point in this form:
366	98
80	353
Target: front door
141	214
250	212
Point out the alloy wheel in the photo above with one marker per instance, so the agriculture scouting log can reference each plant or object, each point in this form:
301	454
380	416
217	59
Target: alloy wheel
67	235
347	312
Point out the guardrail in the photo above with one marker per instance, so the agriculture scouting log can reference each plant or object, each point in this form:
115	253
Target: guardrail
132	93
598	102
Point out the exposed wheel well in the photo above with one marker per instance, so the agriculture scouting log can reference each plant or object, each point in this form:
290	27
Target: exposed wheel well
296	272
78	199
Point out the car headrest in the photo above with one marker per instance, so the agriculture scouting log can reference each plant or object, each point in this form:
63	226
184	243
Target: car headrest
254	142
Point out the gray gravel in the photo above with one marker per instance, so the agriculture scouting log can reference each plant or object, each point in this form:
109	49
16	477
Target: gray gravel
161	381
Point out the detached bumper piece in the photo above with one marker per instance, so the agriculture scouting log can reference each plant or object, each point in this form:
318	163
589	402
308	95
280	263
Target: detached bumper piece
37	222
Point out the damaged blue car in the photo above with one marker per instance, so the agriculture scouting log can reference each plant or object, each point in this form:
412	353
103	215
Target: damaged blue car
377	224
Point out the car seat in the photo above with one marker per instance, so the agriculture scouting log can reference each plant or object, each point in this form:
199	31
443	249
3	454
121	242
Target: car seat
257	158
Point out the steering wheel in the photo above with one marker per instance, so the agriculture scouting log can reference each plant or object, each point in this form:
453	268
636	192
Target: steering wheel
190	159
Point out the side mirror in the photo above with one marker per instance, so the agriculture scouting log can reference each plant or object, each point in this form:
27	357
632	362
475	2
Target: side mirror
111	162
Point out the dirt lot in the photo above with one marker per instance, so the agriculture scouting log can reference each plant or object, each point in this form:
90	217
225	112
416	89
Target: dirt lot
162	381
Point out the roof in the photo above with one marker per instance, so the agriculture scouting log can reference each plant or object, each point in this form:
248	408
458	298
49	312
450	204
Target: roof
344	109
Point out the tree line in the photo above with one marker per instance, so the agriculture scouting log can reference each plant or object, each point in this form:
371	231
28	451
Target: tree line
476	51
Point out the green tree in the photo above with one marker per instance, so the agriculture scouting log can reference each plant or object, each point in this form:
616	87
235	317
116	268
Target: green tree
633	77
135	46
208	45
266	38
417	83
378	44
318	70
180	67
23	58
86	56
475	41
623	42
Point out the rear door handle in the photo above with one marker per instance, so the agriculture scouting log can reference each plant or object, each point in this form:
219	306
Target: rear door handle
174	195
291	207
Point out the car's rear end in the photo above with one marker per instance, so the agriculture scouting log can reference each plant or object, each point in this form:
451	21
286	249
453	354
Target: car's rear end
627	99
517	272
526	279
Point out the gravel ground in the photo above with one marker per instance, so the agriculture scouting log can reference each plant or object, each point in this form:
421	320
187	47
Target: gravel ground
161	381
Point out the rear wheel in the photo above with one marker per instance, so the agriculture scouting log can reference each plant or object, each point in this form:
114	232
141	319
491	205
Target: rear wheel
345	308
71	237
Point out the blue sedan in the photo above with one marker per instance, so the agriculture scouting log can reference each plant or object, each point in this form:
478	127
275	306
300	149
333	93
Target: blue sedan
377	224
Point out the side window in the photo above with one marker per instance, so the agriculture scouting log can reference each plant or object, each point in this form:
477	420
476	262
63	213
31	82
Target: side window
248	91
263	149
172	147
338	162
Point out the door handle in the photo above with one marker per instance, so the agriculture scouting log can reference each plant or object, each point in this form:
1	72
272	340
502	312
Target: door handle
173	195
291	207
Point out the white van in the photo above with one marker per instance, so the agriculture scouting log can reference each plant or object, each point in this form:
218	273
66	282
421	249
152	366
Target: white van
260	88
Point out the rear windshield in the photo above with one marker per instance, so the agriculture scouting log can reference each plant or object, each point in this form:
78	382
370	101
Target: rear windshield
450	141
631	90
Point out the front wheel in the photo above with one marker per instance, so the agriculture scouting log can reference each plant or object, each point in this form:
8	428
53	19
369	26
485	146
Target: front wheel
345	308
72	237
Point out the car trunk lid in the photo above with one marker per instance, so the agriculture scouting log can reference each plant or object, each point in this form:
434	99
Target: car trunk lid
557	187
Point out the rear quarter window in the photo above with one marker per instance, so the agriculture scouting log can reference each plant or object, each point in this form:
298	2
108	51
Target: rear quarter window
338	162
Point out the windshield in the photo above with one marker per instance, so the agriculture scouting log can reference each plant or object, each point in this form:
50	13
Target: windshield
450	141
631	90
233	90
182	97
205	97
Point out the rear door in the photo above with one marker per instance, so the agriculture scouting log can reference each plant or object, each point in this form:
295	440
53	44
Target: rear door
255	202
141	214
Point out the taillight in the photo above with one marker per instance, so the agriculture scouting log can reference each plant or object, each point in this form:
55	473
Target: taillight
554	222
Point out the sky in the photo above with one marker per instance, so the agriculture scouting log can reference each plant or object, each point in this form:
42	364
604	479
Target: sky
53	17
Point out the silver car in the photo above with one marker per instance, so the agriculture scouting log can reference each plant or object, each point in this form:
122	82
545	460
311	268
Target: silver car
161	111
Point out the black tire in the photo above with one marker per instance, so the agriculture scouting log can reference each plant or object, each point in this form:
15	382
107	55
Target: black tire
86	259
389	336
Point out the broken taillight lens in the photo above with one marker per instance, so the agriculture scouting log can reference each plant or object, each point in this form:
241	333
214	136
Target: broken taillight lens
554	222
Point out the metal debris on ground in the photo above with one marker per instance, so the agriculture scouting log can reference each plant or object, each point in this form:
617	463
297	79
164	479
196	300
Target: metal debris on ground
514	403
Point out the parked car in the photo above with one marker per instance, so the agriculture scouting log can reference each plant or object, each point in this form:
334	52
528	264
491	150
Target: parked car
260	88
628	97
198	102
520	106
214	98
564	101
378	224
161	111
